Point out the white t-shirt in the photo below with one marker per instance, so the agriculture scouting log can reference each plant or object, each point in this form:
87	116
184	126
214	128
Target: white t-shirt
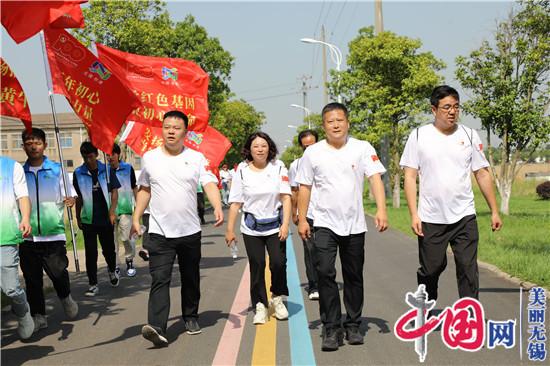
72	192
292	172
225	175
259	192
173	181
19	182
444	163
338	176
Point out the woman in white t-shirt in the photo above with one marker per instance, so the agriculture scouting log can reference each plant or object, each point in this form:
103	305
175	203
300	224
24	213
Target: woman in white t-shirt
260	187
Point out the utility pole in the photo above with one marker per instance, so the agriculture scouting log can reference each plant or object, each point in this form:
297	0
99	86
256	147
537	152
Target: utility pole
385	145
305	88
325	81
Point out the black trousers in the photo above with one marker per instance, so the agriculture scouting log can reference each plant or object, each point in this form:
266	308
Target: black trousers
309	261
432	250
50	257
107	241
200	205
352	259
162	252
255	250
145	236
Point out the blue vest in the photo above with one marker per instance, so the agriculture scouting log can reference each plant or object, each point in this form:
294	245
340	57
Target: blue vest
46	198
9	212
84	179
125	203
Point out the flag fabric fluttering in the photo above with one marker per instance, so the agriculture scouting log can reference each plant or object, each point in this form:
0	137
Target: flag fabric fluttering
96	94
162	84
23	19
13	102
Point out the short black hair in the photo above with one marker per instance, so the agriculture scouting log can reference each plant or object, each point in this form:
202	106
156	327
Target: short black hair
443	91
272	147
333	107
36	133
176	114
306	133
116	149
87	148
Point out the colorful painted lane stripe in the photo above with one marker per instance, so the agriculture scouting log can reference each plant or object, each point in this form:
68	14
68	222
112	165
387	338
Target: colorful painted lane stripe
228	348
265	343
301	348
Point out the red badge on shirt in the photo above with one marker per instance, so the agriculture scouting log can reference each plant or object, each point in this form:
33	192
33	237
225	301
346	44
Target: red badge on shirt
374	157
480	147
284	178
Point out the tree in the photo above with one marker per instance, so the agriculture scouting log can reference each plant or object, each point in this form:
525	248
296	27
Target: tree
144	28
509	83
236	119
385	87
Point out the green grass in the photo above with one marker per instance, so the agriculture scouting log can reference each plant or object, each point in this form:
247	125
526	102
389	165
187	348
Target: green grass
521	248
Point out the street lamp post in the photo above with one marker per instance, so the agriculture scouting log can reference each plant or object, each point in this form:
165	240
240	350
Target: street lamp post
335	55
292	126
307	112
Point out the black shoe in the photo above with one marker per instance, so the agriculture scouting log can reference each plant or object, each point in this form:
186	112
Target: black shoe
144	255
151	334
192	326
332	339
353	336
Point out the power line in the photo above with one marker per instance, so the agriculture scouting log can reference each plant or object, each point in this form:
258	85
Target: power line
349	23
328	12
339	15
273	96
264	88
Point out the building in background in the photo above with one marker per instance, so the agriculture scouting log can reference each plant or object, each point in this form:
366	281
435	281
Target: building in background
72	134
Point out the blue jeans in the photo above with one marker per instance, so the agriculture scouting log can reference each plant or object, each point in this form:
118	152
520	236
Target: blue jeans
9	280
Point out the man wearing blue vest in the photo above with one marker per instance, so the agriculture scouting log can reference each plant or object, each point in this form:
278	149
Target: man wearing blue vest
96	213
45	250
125	208
14	225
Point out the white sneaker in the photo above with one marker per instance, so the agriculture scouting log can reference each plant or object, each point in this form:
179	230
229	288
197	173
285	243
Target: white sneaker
26	326
314	295
70	307
261	314
40	322
92	291
279	308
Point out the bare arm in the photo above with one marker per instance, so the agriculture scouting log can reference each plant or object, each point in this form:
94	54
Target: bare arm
294	200
213	194
377	187
25	209
230	230
304	195
483	178
287	207
142	201
410	195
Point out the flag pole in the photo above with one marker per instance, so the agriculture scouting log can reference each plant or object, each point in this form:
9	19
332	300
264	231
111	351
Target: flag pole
59	150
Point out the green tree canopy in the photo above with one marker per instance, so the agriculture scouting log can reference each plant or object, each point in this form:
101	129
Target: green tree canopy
509	83
236	119
144	28
386	87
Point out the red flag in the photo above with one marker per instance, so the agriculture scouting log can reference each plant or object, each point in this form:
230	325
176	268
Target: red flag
211	143
13	102
162	84
23	19
98	97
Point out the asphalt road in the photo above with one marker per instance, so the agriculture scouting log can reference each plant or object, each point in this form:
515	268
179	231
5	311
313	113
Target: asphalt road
108	328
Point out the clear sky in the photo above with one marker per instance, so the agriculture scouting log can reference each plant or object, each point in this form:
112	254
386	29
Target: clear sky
264	38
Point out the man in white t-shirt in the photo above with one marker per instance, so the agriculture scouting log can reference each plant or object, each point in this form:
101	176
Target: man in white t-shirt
443	154
168	184
336	168
225	177
306	138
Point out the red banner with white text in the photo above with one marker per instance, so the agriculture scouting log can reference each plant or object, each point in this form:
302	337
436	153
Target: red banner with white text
13	102
99	98
162	84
